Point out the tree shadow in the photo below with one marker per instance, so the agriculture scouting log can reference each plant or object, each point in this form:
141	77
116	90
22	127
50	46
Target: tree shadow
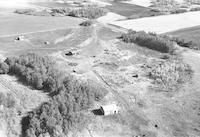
25	122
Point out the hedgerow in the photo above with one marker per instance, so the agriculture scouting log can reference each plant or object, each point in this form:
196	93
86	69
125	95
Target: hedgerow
149	40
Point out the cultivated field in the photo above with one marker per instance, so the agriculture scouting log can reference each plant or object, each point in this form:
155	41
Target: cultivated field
162	24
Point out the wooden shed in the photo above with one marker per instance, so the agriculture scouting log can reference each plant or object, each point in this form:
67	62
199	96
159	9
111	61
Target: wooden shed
109	109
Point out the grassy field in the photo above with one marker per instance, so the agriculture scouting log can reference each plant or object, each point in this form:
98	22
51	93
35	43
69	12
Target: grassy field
35	42
189	34
15	24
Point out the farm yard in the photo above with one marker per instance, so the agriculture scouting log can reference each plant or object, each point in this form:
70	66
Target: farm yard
57	72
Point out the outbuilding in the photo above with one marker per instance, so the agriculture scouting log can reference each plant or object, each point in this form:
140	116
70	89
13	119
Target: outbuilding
109	109
20	38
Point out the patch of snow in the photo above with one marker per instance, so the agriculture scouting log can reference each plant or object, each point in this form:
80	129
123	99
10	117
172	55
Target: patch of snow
2	134
162	24
143	3
110	17
99	2
180	1
13	3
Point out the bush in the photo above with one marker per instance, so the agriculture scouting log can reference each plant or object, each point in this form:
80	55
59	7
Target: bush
4	68
149	40
86	23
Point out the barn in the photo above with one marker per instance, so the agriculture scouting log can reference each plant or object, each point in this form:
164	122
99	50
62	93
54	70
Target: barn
109	109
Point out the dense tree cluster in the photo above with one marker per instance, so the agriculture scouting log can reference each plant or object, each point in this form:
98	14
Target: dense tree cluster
149	40
63	113
70	98
39	72
90	12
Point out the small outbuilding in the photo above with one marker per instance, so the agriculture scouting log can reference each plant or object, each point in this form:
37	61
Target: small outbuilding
69	54
20	38
109	109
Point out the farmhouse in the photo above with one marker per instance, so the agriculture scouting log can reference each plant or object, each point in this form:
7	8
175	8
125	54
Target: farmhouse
109	109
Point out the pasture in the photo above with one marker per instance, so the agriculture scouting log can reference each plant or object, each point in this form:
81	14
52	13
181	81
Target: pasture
15	24
35	42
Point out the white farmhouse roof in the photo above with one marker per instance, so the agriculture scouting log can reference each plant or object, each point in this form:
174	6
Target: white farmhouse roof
110	107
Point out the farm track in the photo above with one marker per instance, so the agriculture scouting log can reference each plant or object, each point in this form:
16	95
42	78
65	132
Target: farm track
33	32
122	101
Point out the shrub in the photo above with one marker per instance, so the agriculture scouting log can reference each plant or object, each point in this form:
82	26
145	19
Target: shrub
86	23
149	40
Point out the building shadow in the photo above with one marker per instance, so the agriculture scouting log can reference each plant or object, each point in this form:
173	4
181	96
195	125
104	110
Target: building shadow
97	112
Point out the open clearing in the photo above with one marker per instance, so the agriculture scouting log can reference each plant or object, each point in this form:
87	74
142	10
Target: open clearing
98	56
162	24
15	24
